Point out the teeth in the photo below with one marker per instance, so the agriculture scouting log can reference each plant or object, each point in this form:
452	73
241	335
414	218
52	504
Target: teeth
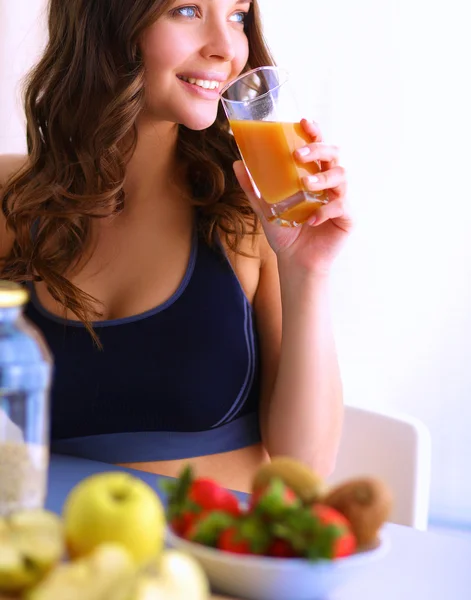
203	83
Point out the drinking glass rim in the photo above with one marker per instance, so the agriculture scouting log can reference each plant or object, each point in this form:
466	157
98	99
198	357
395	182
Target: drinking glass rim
251	72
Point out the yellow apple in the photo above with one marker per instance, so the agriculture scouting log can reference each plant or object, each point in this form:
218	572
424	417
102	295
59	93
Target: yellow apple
114	507
108	573
31	543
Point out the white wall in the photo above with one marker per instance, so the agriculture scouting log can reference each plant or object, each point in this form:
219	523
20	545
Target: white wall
397	102
22	36
386	80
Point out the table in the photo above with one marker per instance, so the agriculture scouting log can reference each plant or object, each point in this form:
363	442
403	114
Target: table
419	565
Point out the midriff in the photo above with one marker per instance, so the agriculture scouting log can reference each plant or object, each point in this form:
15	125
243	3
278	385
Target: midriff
234	470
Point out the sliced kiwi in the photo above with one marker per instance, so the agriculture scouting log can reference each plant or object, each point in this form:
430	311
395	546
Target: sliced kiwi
366	503
304	482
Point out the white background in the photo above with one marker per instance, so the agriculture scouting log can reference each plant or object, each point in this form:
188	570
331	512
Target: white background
388	81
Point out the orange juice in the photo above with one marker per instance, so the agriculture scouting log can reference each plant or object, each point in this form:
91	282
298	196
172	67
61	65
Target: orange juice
267	148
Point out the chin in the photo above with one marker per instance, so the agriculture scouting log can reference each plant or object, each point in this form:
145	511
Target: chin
198	122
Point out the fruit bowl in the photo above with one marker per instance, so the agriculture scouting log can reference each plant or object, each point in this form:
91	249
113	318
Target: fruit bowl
268	578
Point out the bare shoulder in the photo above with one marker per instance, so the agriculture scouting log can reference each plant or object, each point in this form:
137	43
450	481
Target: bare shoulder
9	165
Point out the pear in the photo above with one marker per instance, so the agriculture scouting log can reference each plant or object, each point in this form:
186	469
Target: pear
31	543
108	573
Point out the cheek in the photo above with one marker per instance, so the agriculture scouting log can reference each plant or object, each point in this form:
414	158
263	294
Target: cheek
242	54
158	54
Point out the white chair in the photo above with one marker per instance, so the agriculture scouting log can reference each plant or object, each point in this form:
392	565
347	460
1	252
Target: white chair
394	448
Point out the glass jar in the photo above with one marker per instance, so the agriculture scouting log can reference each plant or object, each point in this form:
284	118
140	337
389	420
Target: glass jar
25	378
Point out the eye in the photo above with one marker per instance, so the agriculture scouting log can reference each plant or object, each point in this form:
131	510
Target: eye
239	17
189	12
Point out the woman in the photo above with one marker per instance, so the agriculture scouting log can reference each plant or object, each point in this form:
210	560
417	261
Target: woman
184	327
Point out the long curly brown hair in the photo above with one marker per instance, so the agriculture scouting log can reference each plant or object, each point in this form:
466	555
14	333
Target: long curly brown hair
81	101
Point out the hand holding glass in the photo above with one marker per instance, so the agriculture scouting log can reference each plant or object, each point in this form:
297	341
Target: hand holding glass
263	117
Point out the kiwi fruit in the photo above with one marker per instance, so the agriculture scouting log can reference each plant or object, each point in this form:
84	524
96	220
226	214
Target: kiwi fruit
366	503
305	483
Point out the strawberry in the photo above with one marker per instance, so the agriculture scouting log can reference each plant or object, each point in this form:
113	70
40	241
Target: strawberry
230	540
344	543
248	535
282	549
188	498
316	532
208	526
274	500
182	523
209	495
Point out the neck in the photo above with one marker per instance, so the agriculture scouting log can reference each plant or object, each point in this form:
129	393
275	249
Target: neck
150	173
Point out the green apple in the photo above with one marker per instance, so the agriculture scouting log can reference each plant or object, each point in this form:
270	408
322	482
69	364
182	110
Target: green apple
31	543
108	573
114	507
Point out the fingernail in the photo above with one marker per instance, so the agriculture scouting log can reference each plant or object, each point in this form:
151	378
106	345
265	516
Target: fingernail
313	179
303	151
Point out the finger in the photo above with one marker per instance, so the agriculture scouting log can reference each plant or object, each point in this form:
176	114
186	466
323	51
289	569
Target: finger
325	180
335	211
312	129
333	195
318	152
337	192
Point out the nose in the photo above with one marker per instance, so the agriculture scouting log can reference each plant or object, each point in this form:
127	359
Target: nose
219	42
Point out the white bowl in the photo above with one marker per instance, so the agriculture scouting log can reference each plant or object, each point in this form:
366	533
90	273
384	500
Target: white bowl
266	578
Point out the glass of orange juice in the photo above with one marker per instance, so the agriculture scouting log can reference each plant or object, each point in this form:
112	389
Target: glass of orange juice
262	113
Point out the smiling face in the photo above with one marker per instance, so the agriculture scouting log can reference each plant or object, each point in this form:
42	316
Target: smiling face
189	54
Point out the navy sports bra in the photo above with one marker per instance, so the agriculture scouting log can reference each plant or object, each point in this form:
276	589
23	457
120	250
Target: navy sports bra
178	381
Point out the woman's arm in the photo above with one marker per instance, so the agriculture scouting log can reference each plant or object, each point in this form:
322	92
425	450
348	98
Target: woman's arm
301	407
302	412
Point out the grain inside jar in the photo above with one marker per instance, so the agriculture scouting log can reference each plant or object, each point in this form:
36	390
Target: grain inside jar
23	476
